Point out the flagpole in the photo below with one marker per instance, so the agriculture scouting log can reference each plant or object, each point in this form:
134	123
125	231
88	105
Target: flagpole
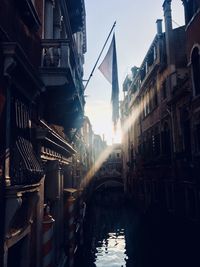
100	55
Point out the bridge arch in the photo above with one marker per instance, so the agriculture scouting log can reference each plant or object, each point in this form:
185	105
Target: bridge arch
110	181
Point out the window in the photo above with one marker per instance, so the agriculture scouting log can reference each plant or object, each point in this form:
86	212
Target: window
185	128
165	140
151	57
142	74
146	67
196	70
154	53
151	99
145	105
164	90
148	101
155	96
156	142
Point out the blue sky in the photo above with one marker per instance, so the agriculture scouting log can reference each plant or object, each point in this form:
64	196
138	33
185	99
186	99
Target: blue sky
135	30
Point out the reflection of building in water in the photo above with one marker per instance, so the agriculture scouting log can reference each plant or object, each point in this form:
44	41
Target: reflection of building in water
106	235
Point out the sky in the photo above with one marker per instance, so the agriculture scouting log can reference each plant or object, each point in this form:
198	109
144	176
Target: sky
134	32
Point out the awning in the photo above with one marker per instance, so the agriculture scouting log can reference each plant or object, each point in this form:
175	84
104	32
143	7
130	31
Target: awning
29	158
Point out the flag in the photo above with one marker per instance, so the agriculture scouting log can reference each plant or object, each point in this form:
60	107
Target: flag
108	68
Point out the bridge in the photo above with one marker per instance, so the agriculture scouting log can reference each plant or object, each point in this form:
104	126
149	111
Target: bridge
108	180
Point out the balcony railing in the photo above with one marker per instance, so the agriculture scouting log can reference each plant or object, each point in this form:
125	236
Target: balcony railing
57	53
58	58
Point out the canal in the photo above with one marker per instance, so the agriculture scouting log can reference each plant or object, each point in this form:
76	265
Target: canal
116	234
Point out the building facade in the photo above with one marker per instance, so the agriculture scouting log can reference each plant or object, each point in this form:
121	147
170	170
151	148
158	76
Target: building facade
160	165
22	173
42	49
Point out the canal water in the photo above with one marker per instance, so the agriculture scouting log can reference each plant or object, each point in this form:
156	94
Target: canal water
116	234
110	229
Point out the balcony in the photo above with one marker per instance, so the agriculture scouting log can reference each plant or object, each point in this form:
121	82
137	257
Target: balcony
53	145
59	66
61	73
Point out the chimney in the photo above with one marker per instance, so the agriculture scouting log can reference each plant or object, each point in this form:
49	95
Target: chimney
159	26
167	14
134	71
168	31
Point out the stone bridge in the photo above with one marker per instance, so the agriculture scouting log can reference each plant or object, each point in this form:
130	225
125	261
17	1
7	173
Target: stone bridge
108	181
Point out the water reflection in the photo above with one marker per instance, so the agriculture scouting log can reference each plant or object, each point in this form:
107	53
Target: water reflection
109	224
117	235
111	251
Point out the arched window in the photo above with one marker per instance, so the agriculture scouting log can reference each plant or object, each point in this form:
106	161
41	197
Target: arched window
156	141
196	70
185	127
166	140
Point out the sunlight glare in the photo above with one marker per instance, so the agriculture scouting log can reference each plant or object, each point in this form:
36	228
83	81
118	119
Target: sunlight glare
96	166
